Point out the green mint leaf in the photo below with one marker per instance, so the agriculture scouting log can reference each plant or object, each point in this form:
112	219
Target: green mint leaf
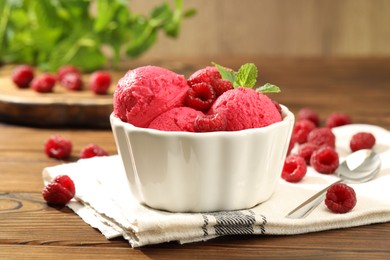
38	32
247	75
226	74
268	88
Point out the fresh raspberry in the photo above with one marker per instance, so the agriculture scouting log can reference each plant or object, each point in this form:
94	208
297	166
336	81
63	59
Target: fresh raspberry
92	150
340	198
362	140
302	129
99	82
211	76
58	147
65	70
325	160
210	123
294	168
322	136
22	76
220	86
309	114
72	81
66	182
337	119
200	96
207	74
44	83
306	150
59	191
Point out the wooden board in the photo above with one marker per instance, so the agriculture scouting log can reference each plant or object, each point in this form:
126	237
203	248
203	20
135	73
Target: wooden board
61	108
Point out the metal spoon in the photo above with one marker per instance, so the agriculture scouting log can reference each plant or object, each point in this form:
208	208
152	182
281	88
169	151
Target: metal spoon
360	166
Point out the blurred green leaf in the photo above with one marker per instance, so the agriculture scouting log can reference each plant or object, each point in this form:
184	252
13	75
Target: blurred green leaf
52	33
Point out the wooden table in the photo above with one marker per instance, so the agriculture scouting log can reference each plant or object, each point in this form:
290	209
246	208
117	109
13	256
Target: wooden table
31	229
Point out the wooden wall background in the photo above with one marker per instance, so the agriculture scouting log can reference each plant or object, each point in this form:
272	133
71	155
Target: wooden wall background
278	27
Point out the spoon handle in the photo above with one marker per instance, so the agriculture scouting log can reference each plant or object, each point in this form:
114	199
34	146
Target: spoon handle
309	205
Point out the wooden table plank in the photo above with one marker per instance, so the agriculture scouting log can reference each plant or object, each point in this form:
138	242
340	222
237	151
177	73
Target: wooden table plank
28	227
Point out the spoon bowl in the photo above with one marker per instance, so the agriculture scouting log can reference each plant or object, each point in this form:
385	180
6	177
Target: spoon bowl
358	167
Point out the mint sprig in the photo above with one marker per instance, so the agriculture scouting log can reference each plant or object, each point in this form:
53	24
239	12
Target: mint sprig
245	77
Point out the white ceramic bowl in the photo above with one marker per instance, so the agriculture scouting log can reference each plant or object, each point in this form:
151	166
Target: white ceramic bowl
201	172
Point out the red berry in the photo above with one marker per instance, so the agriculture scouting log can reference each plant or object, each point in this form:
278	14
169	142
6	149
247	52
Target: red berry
207	74
22	76
302	129
65	70
322	137
211	76
340	198
200	96
306	150
294	168
220	86
58	147
337	119
66	182
309	114
72	81
44	83
210	123
325	160
362	140
59	191
99	82
92	150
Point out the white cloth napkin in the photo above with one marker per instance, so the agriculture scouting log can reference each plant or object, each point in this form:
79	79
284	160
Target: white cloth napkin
104	201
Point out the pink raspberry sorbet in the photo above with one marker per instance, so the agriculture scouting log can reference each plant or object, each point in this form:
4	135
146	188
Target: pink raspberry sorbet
146	92
245	108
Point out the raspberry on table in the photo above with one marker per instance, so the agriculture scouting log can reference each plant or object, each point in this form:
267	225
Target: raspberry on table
72	81
65	70
59	191
100	82
309	114
340	198
211	76
58	147
44	83
210	123
294	168
22	76
306	150
325	160
92	150
337	119
362	140
302	129
200	96
322	136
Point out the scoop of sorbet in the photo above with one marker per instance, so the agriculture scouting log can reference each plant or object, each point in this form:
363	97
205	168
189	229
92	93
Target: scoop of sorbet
245	108
176	119
146	92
